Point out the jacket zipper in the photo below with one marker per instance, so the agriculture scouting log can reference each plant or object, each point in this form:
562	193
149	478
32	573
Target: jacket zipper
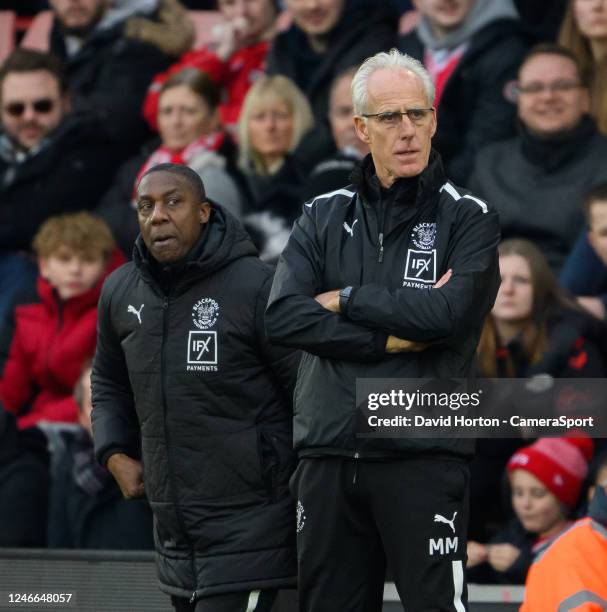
165	329
356	458
380	257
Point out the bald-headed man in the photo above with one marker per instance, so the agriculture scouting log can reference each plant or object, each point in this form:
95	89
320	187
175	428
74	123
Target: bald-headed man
192	405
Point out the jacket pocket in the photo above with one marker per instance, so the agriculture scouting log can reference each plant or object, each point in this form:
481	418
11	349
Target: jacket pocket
276	457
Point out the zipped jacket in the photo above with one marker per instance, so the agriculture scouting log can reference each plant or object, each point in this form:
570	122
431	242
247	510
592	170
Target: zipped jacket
184	370
391	246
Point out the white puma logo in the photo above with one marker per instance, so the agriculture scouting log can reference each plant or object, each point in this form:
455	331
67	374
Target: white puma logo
438	518
349	229
136	312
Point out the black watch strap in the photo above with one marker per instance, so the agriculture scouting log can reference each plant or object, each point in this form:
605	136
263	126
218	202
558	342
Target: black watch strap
344	297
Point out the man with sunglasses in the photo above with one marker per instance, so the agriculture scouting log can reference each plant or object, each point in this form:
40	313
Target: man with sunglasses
390	277
537	180
52	161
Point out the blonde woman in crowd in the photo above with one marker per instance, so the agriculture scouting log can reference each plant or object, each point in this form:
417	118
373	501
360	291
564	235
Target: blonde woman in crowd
274	117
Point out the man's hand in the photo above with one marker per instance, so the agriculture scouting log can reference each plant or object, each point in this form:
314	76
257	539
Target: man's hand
329	300
443	279
502	556
128	473
477	554
593	305
398	345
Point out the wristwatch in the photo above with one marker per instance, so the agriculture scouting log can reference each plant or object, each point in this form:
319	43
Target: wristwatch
344	297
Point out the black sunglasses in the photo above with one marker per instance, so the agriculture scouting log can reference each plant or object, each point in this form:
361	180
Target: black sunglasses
42	106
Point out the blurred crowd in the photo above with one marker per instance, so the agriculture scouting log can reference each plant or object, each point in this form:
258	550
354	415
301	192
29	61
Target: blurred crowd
262	111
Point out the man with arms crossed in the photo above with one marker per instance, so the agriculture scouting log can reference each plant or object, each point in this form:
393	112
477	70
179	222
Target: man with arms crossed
389	277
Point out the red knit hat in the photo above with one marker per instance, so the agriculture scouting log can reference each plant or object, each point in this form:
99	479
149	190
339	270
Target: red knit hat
561	464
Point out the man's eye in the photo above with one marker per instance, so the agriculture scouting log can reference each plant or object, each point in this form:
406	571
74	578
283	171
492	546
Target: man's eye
388	117
143	206
415	114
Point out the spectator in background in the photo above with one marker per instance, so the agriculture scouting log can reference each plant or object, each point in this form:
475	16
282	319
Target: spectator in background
274	118
335	171
546	480
537	180
52	160
534	328
87	509
472	49
24	485
52	336
234	61
584	32
191	134
585	271
108	70
571	574
326	38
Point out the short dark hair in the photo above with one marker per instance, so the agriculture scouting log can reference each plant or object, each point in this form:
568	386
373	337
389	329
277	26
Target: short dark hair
199	82
185	172
554	49
597	194
27	60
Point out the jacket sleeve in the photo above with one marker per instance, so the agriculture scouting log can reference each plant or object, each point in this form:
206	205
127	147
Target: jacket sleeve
294	318
439	314
282	362
115	425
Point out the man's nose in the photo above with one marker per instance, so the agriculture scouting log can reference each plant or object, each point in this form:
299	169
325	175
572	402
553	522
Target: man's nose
406	127
159	214
29	113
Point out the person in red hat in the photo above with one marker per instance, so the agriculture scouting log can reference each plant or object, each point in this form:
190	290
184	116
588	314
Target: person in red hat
546	479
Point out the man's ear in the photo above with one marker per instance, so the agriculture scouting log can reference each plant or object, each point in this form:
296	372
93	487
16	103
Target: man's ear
362	129
205	212
66	103
434	124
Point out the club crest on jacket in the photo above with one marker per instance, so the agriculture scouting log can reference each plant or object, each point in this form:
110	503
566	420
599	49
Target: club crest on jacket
423	235
205	313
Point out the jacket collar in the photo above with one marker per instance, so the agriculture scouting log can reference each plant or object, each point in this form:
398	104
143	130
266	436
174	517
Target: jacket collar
429	181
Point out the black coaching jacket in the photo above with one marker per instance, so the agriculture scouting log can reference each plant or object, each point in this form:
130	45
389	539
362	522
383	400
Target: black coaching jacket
392	250
184	371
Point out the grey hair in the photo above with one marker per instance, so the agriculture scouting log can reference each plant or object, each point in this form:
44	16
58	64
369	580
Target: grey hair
393	60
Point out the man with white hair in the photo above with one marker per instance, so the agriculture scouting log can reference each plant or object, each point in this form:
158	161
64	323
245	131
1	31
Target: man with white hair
389	277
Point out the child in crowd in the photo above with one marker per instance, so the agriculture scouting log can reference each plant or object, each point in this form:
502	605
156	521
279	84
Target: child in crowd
50	337
545	479
87	509
585	271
